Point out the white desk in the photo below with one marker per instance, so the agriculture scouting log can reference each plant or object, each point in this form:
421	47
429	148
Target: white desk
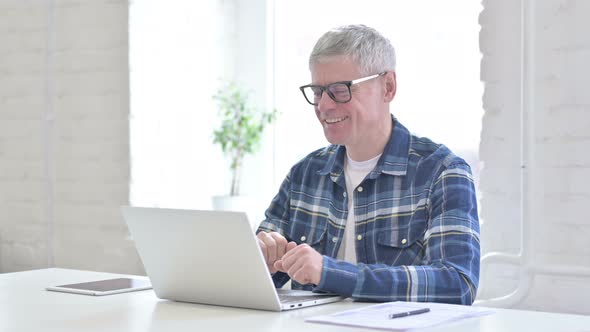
26	306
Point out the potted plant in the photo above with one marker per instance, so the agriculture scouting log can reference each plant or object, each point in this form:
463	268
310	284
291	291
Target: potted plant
238	135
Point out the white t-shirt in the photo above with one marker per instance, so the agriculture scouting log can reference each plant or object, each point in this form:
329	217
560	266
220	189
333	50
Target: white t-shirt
354	173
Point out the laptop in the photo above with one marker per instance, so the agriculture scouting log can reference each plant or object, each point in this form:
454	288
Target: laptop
209	257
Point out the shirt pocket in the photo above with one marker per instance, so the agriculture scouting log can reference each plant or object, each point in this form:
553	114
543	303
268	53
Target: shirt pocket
401	244
303	232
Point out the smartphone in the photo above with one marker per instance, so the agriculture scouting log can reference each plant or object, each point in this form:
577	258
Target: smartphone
104	287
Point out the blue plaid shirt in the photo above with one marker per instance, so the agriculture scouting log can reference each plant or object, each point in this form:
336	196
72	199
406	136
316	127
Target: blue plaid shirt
417	228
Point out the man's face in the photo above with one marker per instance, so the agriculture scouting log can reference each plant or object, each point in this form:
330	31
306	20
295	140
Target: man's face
354	123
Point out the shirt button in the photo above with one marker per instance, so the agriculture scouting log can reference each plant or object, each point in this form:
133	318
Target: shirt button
334	239
359	189
404	241
359	237
303	238
344	194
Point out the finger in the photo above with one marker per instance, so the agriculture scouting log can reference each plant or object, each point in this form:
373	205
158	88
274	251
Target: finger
279	263
271	268
290	246
296	266
281	244
303	264
288	259
263	249
282	264
297	271
293	256
271	247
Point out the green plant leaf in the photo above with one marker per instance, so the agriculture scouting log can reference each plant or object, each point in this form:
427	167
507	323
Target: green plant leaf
242	124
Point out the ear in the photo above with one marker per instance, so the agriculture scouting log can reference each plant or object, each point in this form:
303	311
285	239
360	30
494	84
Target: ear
390	86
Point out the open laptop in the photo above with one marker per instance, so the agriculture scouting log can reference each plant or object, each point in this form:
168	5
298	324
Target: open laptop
209	257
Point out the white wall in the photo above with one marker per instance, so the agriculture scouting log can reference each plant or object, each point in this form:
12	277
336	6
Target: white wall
560	166
64	151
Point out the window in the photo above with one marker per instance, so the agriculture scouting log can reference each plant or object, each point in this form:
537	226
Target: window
439	90
179	52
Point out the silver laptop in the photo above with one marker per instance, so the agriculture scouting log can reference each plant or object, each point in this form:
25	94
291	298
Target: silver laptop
209	257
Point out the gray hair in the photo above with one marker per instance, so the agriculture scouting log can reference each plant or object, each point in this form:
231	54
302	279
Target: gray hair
364	45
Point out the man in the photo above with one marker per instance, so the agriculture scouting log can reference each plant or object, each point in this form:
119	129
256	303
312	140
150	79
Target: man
379	215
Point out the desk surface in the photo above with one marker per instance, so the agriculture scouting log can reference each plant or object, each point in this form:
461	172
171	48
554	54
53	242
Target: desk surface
26	306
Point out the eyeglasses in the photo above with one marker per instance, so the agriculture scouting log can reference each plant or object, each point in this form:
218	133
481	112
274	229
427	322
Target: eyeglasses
338	91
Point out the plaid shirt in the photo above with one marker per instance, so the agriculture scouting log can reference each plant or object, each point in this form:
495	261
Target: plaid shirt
417	228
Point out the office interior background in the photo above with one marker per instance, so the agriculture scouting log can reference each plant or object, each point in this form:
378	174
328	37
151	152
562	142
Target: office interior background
108	102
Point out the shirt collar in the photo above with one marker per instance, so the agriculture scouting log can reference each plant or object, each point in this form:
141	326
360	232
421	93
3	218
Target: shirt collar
393	161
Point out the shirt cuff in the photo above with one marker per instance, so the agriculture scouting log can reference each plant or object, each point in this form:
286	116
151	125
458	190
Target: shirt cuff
338	277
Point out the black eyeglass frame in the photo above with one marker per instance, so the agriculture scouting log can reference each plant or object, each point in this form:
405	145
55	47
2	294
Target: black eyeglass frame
348	84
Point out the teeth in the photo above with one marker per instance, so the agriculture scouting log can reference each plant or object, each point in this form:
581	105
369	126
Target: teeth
334	120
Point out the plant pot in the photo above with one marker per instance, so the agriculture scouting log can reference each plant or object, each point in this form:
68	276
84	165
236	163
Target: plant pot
242	203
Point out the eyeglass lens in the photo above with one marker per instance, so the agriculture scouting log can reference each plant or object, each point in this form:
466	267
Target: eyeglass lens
339	92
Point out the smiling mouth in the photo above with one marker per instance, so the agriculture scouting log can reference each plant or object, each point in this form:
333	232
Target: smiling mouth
335	120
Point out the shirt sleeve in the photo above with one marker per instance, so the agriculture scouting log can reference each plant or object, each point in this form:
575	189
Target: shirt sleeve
449	271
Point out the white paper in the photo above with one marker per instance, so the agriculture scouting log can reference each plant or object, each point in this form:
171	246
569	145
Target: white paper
377	316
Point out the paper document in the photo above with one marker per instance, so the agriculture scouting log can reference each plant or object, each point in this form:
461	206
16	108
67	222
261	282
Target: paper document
378	316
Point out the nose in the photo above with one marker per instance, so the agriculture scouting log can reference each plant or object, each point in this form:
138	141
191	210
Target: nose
325	103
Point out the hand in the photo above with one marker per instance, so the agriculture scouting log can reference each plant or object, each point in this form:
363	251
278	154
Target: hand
303	264
273	246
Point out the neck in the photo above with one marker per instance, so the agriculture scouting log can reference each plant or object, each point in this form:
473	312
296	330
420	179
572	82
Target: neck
373	144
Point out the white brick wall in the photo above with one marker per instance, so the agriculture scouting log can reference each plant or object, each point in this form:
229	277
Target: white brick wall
561	119
64	151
